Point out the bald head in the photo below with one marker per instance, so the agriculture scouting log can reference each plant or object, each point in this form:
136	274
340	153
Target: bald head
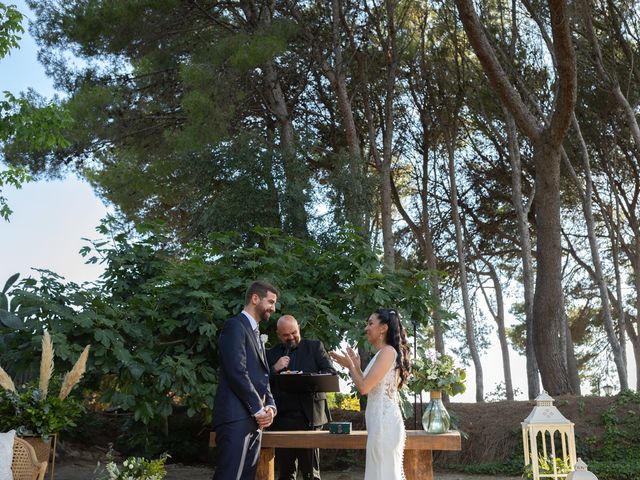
288	330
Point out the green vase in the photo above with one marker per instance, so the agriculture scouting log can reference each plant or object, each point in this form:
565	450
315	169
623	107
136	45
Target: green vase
436	418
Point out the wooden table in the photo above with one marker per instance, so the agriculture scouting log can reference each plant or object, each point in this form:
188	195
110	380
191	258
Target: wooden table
418	459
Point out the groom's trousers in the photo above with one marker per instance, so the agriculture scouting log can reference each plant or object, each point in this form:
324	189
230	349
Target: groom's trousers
238	447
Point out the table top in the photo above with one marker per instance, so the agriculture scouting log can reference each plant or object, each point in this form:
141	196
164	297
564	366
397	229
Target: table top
357	439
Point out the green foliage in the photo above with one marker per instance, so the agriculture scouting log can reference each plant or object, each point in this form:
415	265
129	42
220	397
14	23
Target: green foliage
33	124
27	123
29	413
622	429
434	371
154	316
134	468
8	317
343	401
15	177
627	469
10	28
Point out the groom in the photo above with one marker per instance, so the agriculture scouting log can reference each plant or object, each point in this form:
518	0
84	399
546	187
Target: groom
244	404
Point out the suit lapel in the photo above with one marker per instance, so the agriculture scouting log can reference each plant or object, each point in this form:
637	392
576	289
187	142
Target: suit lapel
259	351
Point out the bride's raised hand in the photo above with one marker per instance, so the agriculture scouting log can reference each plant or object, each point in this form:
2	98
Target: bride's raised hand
353	355
342	359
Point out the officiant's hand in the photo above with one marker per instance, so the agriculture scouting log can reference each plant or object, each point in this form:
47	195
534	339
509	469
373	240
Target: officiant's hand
282	364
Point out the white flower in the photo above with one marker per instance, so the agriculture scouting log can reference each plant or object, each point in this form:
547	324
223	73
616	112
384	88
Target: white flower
263	338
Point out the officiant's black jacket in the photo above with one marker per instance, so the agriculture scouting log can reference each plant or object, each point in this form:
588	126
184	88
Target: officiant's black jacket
309	357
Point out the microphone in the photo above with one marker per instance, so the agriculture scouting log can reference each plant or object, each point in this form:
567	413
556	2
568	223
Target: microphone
287	349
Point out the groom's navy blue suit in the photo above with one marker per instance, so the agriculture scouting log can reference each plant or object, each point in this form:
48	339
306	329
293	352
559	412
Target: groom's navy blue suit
243	390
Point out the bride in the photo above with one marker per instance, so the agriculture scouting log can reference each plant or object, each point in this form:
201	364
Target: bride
386	373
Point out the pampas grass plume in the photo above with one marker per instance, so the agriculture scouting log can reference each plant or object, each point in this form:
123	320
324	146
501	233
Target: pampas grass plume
46	364
75	374
6	382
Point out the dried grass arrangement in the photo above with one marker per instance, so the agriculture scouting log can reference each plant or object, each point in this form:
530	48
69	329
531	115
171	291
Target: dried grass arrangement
30	409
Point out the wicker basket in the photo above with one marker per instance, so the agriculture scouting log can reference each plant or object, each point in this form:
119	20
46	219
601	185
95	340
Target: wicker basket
45	451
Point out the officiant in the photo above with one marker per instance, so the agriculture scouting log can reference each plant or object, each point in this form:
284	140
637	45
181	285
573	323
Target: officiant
298	411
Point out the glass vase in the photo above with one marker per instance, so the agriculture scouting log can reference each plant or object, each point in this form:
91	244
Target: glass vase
436	418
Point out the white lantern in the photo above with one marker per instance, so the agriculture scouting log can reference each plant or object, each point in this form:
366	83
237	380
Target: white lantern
549	441
581	472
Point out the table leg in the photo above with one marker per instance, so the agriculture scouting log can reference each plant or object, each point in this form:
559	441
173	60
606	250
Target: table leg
418	464
266	464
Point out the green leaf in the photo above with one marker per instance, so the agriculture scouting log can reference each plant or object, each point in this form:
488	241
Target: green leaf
10	320
10	282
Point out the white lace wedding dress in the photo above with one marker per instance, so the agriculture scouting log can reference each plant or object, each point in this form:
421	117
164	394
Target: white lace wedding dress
385	428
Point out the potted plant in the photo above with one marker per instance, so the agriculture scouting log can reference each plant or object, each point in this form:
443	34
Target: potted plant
436	373
33	412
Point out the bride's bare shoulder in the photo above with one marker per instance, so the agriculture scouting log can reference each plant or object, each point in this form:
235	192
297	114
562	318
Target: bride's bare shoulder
387	353
389	350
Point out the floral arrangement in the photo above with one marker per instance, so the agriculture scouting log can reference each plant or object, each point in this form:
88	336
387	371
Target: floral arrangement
30	409
134	468
435	371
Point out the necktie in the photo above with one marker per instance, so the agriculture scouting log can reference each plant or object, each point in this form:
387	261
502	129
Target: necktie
260	346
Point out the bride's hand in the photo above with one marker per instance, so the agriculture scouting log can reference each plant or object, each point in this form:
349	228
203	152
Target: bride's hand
353	355
342	359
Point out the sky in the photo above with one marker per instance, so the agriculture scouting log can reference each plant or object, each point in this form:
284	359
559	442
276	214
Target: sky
51	218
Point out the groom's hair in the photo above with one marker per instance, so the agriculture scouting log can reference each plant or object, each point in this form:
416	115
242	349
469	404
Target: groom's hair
261	289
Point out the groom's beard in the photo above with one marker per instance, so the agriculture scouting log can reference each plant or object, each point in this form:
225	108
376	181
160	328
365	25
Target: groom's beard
265	314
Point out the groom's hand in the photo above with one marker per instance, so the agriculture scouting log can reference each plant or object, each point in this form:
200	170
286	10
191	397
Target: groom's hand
264	418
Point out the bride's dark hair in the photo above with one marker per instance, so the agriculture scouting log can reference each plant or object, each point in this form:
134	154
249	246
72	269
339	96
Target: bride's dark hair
397	338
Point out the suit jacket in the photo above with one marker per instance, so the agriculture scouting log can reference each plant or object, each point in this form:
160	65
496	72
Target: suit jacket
310	357
243	387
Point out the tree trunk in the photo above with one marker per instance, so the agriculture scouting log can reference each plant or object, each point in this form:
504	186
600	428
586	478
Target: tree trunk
586	194
383	163
522	212
615	259
550	332
294	198
635	261
354	196
464	289
502	334
387	138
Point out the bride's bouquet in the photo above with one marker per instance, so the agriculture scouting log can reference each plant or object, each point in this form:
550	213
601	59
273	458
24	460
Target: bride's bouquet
437	372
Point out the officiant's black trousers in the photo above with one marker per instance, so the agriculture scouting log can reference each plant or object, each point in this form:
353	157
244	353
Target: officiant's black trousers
290	460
